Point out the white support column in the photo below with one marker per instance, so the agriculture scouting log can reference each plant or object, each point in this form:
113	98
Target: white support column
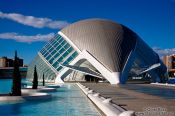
127	67
112	77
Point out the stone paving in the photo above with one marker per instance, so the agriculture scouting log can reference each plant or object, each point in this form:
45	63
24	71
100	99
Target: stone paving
139	97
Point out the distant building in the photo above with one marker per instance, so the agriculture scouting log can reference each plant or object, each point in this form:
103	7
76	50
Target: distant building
7	62
3	61
6	68
169	61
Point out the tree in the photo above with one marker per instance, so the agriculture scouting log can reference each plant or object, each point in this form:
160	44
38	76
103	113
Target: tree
35	79
43	80
16	85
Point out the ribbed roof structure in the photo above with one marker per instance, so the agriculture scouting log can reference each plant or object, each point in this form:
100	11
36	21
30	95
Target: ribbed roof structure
110	43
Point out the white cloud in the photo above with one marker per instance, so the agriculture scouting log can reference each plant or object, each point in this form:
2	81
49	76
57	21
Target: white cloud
163	52
27	39
34	21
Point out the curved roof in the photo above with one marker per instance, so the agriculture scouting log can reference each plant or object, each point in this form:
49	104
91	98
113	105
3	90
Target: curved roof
110	43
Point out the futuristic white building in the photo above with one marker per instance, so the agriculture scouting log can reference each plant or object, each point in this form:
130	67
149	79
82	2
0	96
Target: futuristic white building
96	47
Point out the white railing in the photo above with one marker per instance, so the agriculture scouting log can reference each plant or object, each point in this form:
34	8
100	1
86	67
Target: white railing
105	104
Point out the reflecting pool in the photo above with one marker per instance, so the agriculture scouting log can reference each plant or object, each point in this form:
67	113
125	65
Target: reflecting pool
67	101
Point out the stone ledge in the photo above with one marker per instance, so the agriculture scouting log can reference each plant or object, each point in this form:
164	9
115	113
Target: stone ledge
41	89
26	95
53	86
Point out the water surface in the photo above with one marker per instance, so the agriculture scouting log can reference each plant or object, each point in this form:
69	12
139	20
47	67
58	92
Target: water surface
67	101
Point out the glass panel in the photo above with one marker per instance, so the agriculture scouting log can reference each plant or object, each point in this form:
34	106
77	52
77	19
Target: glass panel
54	51
63	42
56	44
62	50
57	54
58	47
51	60
74	54
69	59
46	54
70	50
51	49
66	46
59	68
61	39
58	38
65	54
66	62
55	65
48	57
60	59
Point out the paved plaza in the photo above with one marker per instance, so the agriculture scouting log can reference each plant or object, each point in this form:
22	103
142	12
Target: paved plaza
138	97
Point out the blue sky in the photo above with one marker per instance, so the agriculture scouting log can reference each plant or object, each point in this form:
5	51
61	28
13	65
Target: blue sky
26	25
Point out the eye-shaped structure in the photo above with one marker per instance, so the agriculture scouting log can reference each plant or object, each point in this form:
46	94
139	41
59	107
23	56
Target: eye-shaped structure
97	47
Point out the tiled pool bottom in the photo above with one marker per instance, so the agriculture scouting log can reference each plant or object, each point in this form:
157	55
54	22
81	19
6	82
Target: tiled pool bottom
67	101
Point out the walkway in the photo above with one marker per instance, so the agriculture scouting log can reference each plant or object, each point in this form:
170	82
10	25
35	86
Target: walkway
138	97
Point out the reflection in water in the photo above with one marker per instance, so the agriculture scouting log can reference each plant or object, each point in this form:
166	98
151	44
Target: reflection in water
11	109
5	86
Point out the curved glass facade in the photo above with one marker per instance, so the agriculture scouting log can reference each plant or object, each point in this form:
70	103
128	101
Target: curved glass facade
145	57
42	68
48	60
